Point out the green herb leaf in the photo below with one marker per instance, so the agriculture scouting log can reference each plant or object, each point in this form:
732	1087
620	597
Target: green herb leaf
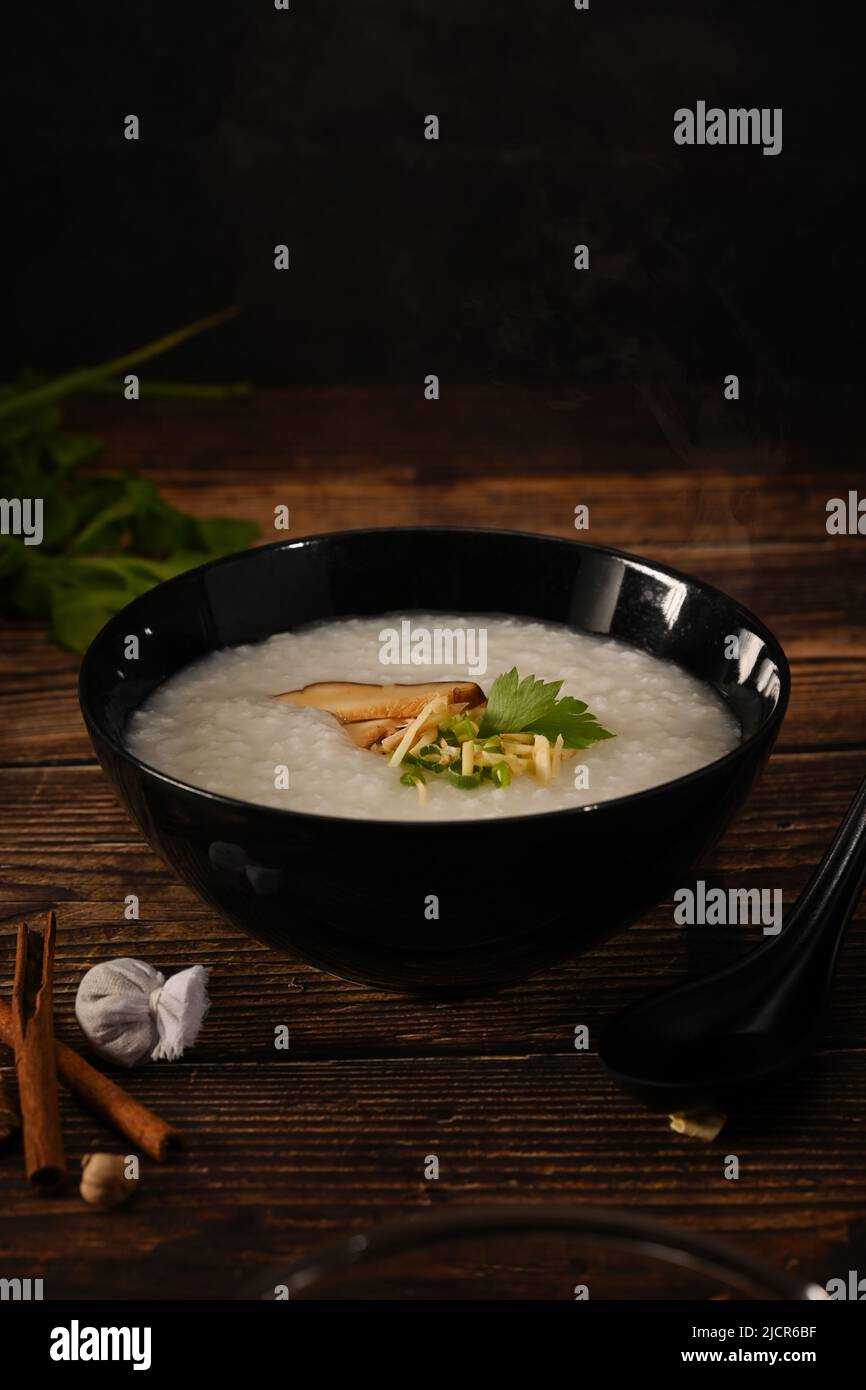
220	535
571	718
30	593
107	537
85	592
13	559
531	706
69	450
107	506
28	395
513	704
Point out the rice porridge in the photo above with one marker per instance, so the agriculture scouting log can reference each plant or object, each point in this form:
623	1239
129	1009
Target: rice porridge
216	725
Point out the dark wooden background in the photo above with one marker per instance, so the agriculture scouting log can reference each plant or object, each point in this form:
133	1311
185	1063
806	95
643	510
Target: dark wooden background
289	1148
409	256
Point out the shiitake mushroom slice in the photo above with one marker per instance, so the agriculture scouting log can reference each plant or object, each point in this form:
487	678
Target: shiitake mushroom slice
353	703
366	732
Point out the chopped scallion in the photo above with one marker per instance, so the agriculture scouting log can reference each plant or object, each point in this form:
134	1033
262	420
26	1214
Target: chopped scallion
462	729
467	783
411	779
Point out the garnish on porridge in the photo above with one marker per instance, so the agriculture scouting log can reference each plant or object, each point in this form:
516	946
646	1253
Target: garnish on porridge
450	729
216	724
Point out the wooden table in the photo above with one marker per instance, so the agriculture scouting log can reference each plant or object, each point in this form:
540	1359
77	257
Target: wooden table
289	1148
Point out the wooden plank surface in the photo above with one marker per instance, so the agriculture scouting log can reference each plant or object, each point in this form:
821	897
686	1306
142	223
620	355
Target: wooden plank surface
333	1137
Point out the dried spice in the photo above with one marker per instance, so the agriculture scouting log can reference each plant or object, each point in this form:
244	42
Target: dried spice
102	1097
33	1040
10	1120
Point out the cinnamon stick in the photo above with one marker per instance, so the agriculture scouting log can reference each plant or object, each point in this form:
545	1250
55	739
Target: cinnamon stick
106	1099
10	1120
33	1041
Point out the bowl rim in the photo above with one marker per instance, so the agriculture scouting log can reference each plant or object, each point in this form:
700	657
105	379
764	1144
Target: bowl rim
289	814
615	1225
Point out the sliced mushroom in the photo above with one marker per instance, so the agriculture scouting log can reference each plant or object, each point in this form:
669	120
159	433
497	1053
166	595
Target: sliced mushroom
352	704
366	732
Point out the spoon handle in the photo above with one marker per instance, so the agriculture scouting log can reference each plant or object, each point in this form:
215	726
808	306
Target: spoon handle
817	922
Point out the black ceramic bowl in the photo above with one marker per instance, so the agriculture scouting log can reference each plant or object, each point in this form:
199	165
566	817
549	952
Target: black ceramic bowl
349	895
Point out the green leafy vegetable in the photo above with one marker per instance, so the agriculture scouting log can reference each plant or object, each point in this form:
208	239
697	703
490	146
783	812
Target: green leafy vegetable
38	393
107	537
532	706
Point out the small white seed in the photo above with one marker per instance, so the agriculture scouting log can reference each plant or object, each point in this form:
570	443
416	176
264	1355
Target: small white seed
104	1181
698	1124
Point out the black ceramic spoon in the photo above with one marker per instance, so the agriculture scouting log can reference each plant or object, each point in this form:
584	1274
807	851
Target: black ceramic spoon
707	1043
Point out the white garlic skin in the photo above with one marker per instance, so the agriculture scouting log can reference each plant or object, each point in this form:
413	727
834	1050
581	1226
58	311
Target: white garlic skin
103	1180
